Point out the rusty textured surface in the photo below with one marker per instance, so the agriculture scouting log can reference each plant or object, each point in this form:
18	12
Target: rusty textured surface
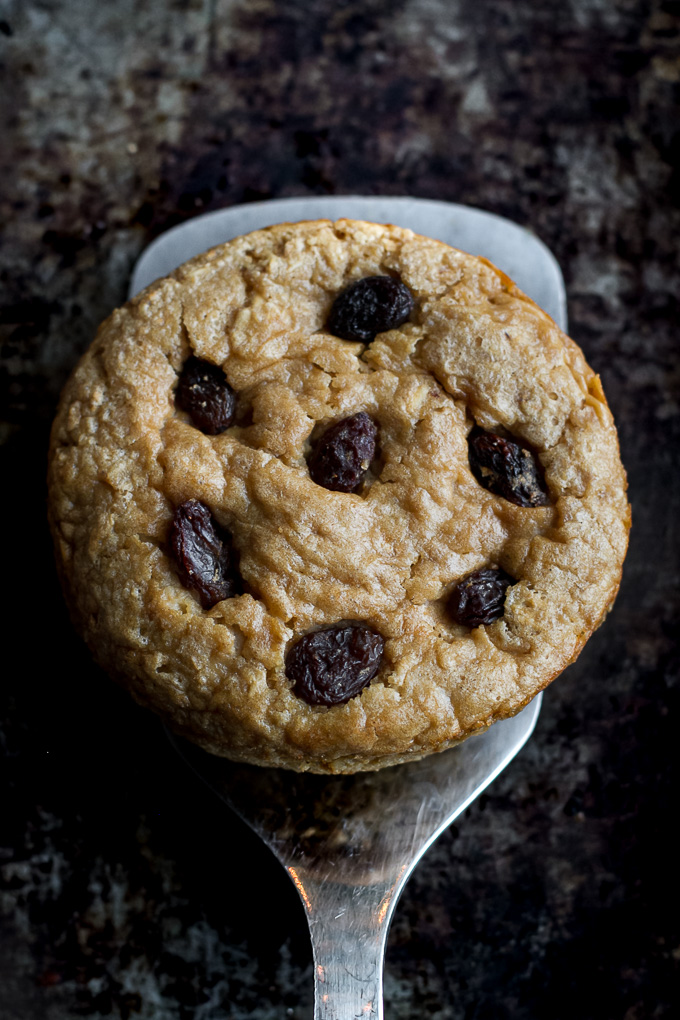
124	890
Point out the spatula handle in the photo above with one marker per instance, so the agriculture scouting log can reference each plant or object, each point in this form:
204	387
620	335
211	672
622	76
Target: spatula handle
348	926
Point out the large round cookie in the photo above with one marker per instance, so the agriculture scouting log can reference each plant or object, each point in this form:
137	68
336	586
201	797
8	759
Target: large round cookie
475	357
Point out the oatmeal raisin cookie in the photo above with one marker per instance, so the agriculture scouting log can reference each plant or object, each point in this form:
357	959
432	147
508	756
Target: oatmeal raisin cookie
332	524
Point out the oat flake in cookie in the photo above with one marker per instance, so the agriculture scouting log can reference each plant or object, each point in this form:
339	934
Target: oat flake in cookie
275	619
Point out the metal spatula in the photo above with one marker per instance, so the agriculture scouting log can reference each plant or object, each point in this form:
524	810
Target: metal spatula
350	843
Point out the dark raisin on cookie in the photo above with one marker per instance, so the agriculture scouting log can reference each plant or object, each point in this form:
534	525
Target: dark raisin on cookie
370	306
204	393
328	667
206	560
506	468
342	455
480	597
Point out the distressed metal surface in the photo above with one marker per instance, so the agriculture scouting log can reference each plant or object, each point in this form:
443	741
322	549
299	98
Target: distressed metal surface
117	891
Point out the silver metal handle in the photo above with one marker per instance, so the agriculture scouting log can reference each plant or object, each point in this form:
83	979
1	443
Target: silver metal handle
348	926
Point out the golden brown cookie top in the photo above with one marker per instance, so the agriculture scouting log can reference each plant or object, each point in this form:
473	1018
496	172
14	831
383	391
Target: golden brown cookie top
474	358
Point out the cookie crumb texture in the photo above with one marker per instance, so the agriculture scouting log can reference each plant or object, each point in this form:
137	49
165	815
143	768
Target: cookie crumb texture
474	353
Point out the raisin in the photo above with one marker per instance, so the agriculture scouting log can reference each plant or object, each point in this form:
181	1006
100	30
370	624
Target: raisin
479	598
204	393
368	307
328	667
206	560
506	468
341	456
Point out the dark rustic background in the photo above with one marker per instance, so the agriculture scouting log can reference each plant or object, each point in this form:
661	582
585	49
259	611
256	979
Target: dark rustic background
125	890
